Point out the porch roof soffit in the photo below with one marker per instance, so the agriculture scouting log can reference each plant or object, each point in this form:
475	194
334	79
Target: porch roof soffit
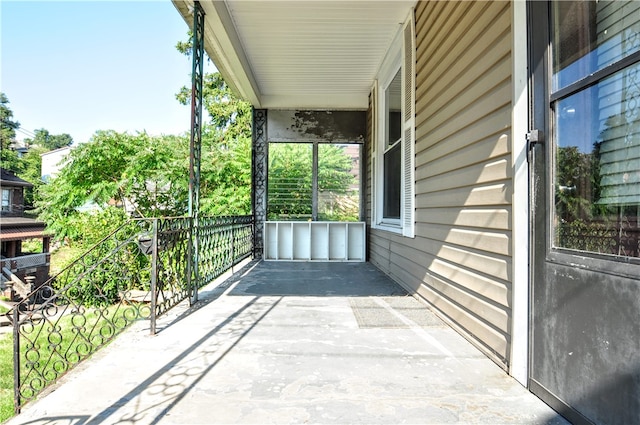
299	54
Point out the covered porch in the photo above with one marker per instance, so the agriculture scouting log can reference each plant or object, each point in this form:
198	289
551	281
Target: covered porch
292	342
433	94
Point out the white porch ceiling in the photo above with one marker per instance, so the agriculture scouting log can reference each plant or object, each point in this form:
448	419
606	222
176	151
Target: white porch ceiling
300	54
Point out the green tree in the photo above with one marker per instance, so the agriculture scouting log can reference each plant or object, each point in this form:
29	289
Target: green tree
290	180
145	174
339	196
574	195
31	171
225	182
8	157
49	141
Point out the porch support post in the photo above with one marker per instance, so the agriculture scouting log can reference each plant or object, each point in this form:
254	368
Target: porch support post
259	165
195	145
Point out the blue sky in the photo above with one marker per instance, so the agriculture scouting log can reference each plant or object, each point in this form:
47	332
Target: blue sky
80	66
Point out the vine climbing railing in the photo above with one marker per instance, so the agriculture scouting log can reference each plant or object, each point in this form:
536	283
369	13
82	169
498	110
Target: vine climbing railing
140	271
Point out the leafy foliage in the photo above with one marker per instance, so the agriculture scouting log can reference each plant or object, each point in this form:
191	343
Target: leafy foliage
8	157
147	175
31	171
225	182
27	166
290	174
49	141
573	168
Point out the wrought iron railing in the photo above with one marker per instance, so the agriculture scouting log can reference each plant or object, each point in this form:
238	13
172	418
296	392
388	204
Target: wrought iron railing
224	242
139	271
620	237
169	254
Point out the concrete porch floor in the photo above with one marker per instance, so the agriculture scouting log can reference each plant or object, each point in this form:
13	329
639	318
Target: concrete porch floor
280	342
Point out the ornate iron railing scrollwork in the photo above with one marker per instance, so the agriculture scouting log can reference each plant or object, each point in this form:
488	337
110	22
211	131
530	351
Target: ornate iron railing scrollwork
259	181
139	271
79	310
224	242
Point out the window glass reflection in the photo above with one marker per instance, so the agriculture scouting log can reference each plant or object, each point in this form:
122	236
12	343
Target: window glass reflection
597	167
393	106
589	36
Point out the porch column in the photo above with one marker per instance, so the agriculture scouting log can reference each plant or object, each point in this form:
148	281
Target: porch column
46	243
193	273
196	109
259	164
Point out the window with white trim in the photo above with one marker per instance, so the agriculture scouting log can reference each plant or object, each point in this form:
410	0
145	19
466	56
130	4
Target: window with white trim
393	135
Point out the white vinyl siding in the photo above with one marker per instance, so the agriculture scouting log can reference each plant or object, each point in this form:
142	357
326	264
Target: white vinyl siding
460	260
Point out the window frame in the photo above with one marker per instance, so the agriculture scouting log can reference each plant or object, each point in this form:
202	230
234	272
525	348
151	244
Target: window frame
555	96
396	60
317	155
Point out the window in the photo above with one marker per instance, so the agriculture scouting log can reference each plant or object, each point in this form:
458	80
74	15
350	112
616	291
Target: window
393	99
314	181
596	127
6	199
338	182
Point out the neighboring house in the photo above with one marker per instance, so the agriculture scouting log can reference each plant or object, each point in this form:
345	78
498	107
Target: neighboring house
53	161
12	188
501	157
15	228
20	147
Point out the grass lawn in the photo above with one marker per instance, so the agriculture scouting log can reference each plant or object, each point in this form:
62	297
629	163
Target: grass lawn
62	257
6	376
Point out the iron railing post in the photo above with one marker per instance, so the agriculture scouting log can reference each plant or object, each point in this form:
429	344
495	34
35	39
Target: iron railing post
196	258
16	360
154	276
189	260
233	245
253	237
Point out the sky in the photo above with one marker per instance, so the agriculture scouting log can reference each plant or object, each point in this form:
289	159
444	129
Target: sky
80	66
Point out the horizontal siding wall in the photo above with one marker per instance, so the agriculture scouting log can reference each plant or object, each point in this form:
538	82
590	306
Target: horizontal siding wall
460	259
